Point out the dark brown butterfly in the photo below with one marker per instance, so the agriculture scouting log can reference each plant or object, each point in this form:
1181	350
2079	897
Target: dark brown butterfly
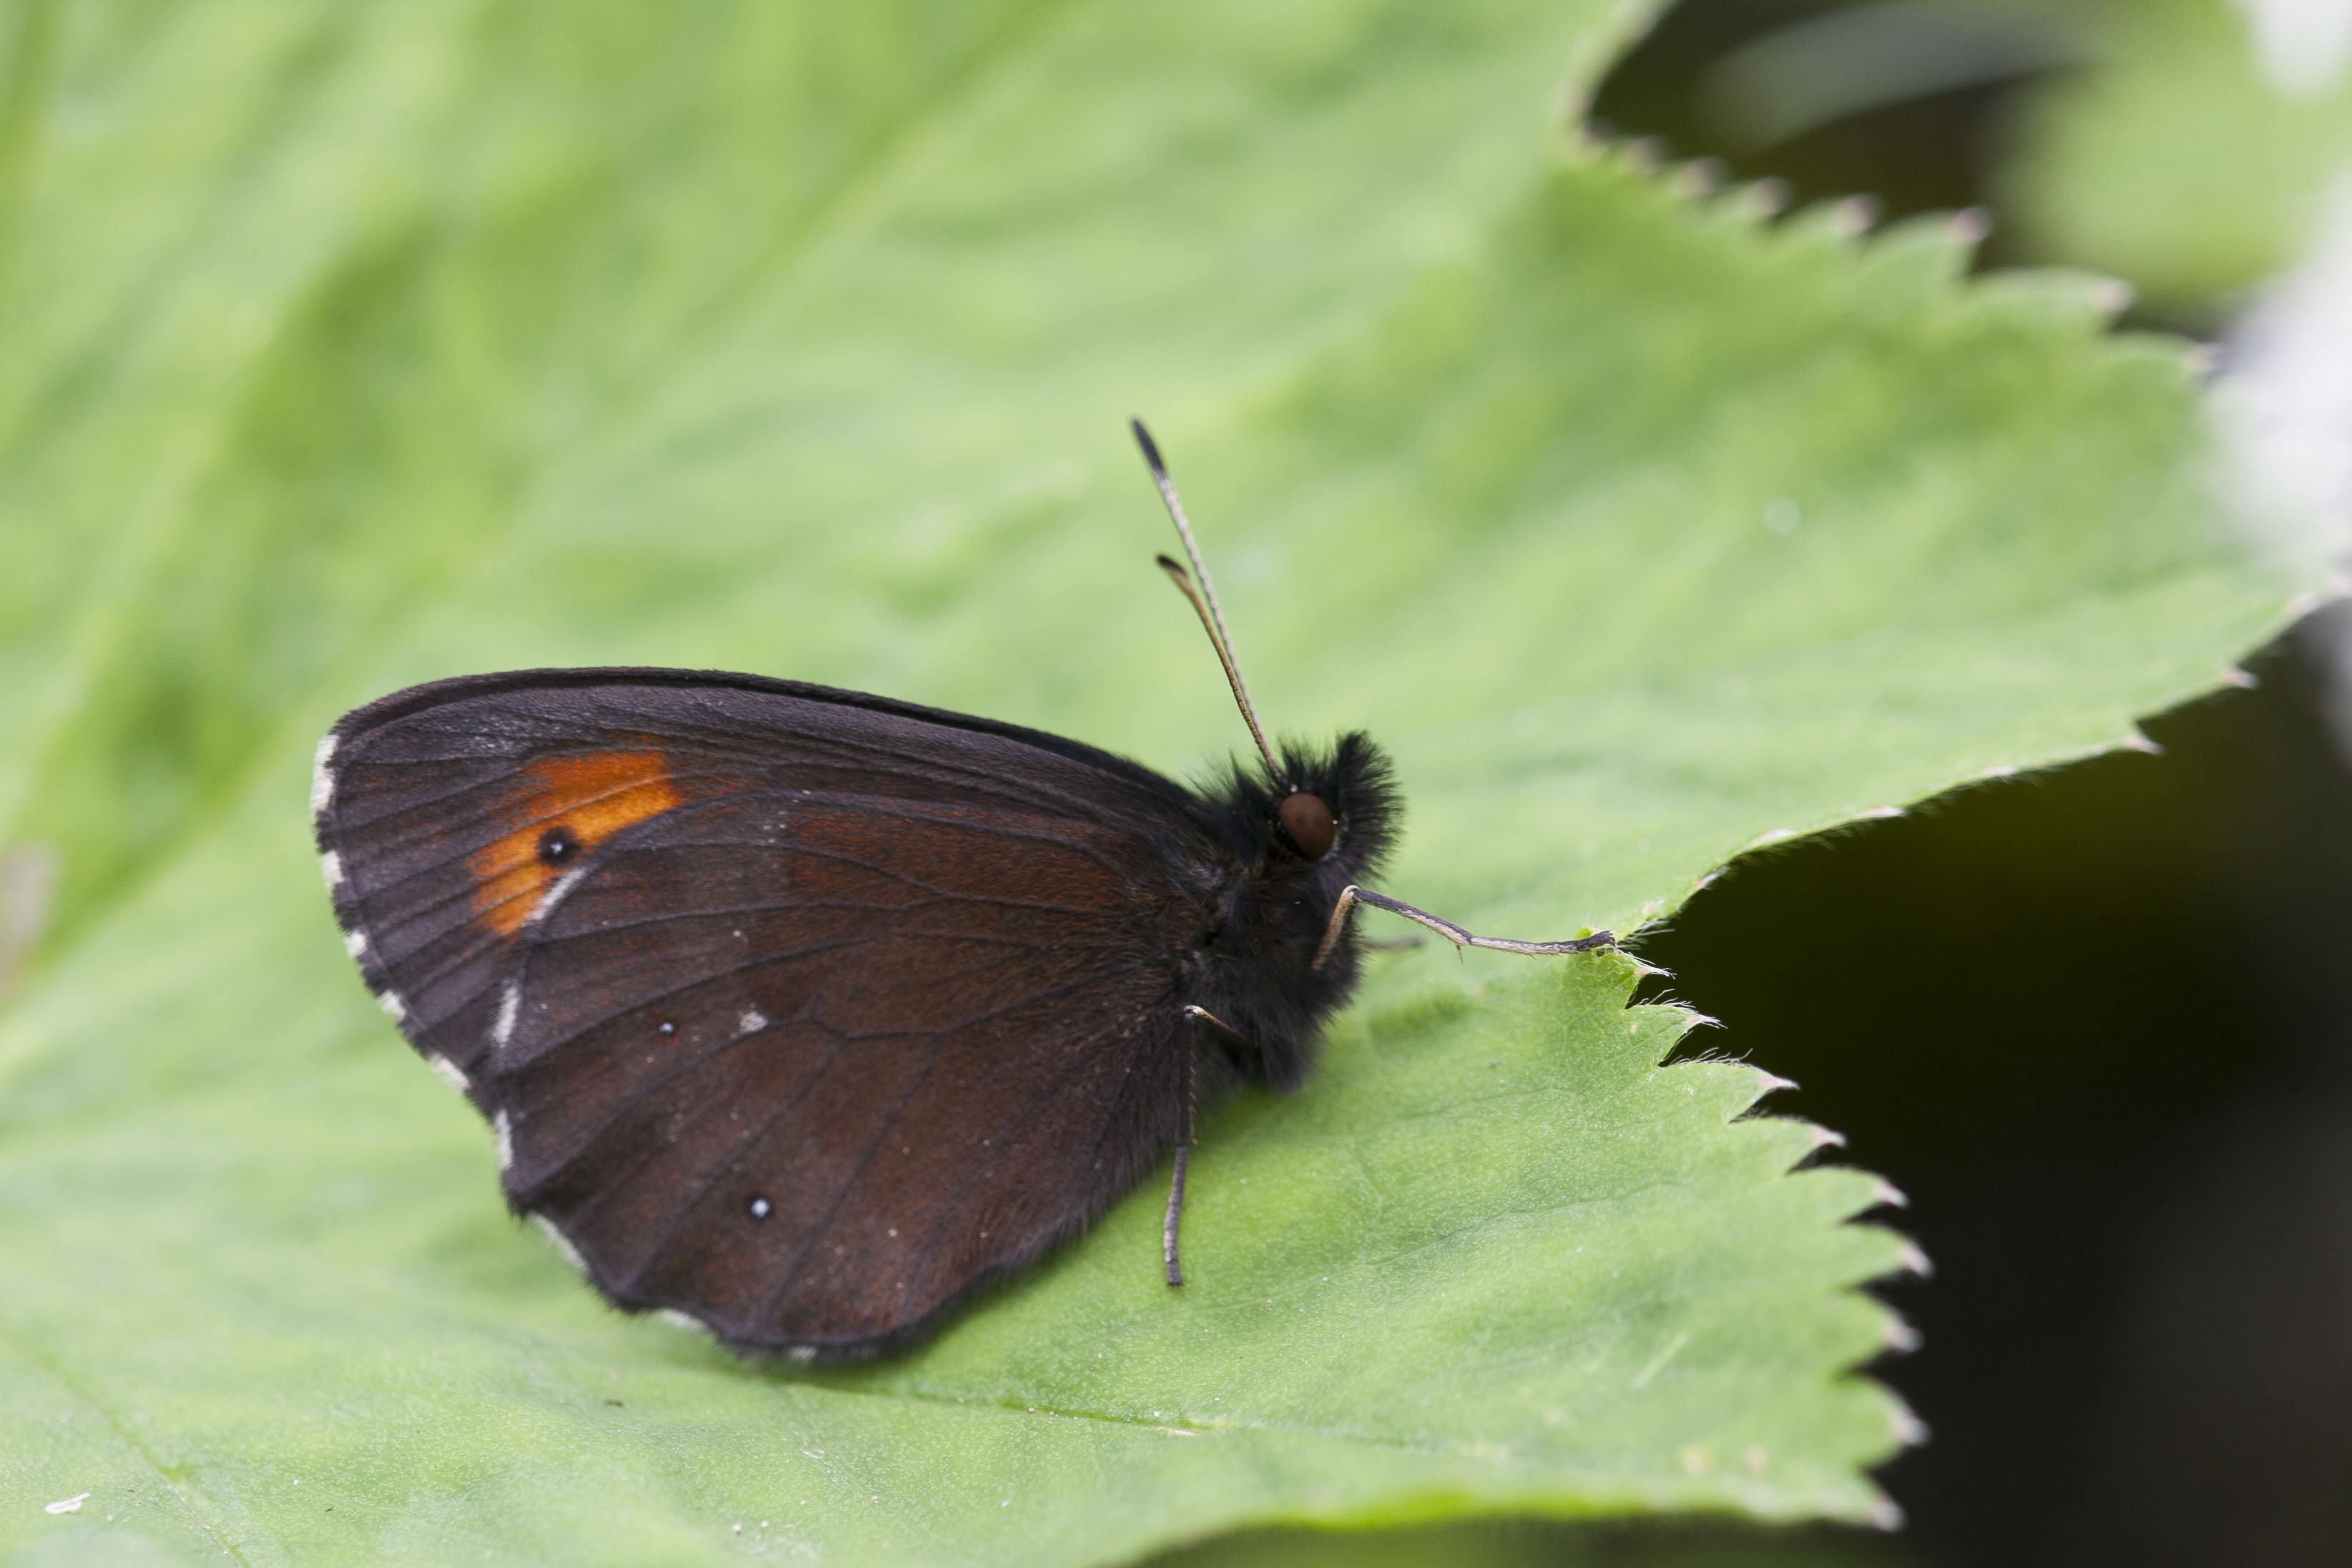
806	1013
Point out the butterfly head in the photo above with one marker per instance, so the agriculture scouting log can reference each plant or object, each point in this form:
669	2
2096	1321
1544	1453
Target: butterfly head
1291	841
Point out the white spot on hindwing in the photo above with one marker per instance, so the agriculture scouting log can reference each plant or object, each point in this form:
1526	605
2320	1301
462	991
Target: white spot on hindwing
450	1073
677	1319
509	1005
503	1129
394	1007
355	943
330	865
323	778
561	1242
752	1022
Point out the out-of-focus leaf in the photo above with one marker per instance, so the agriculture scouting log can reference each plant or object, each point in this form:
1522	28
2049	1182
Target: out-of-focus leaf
799	339
2177	160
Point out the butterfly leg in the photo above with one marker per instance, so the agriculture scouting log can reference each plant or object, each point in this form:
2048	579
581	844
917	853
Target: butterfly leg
1184	1148
1184	1143
1175	1217
1353	894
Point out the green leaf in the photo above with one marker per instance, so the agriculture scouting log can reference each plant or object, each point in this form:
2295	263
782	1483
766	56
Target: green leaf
2177	161
362	347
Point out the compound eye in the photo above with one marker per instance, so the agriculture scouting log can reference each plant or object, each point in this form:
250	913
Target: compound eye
1310	823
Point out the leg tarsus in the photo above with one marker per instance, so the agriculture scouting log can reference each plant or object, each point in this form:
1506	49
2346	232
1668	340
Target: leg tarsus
1175	1214
1454	933
1183	1150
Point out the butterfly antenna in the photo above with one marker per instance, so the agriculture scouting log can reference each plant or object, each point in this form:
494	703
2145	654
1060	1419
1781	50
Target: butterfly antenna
1204	598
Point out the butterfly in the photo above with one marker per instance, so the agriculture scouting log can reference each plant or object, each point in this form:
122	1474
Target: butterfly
808	1014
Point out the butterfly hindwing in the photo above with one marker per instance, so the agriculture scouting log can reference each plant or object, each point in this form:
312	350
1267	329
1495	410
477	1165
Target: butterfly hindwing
812	1065
916	972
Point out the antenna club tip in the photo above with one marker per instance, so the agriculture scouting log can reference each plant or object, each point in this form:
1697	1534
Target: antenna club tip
1150	447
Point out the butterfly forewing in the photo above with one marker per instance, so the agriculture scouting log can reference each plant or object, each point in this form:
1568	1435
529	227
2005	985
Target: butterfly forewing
801	1012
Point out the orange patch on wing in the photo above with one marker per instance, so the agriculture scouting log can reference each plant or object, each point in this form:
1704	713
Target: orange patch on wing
591	796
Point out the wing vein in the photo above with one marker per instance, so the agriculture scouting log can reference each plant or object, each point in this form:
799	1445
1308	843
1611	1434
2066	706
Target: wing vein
1102	1131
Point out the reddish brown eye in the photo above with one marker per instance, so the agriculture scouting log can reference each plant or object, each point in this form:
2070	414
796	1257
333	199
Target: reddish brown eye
1309	822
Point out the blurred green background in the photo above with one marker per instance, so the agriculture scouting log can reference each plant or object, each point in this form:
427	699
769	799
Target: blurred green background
2096	1022
2138	1341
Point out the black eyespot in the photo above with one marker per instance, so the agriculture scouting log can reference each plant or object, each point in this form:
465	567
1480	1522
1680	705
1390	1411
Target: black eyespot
759	1208
1308	822
665	1028
557	845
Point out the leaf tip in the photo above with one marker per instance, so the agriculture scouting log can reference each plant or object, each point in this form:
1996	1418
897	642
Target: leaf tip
1698	177
1852	216
2240	679
2111	297
1911	1260
1762	199
1909	1430
1643	155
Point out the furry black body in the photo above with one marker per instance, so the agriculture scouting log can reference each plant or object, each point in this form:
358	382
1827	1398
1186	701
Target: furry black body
1253	966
